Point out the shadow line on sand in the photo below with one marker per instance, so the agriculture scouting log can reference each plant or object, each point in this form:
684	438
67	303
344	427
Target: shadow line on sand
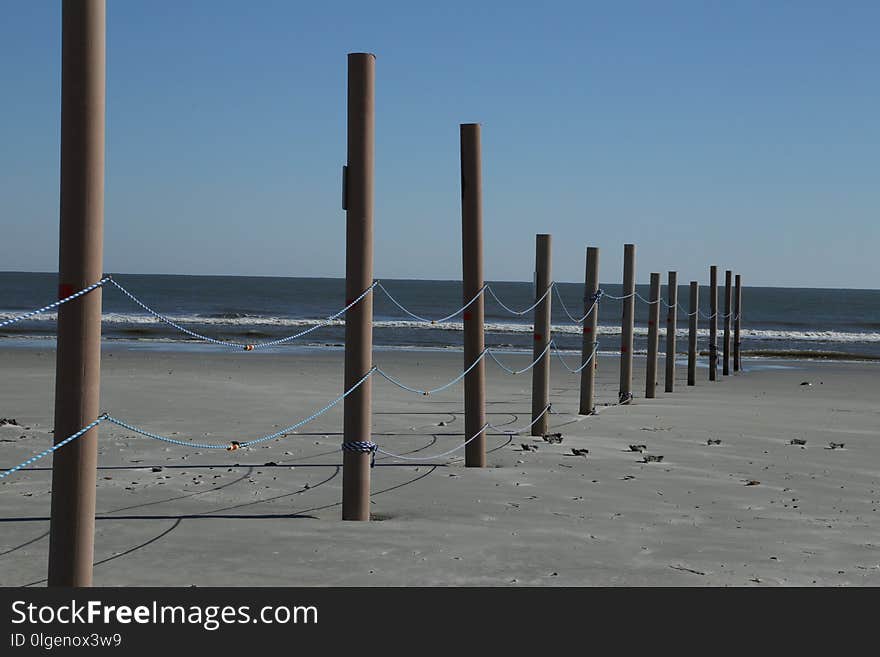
25	544
158	537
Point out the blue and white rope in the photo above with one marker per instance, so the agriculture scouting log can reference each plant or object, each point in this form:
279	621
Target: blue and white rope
583	365
54	305
435	456
246	443
525	369
426	319
513	432
570	316
241	345
64	442
362	447
426	393
650	303
519	312
611	296
331	318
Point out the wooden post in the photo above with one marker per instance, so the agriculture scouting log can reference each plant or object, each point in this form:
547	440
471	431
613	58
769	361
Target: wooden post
727	281
653	321
472	283
78	358
713	322
671	327
541	370
358	277
693	316
591	322
626	322
737	365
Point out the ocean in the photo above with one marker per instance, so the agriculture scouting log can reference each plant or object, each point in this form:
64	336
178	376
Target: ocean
792	323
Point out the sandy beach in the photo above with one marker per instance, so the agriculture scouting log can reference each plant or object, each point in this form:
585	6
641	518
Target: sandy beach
270	515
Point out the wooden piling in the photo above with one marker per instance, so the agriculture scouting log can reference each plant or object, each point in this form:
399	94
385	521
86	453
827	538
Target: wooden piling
472	283
358	277
693	317
737	365
541	370
78	356
626	323
713	322
591	322
653	322
727	314
671	327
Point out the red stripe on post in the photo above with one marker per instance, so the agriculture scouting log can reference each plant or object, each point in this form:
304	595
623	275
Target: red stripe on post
468	316
64	291
538	337
588	329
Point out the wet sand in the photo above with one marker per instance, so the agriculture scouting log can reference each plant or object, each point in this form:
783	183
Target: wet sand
270	515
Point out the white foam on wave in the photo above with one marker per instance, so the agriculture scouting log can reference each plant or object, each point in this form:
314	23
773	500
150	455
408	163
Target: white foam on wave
192	321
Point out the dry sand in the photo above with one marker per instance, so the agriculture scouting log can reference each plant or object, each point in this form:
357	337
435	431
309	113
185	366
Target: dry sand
270	515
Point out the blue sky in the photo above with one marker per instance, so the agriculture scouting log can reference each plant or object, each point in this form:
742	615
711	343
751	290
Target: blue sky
743	134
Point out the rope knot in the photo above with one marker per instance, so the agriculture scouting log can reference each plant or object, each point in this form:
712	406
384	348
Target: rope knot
362	447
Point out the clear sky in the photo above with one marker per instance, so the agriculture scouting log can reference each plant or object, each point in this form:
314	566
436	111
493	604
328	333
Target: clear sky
743	134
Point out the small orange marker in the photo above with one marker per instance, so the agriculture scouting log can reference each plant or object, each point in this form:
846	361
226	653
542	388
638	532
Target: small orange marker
234	445
249	347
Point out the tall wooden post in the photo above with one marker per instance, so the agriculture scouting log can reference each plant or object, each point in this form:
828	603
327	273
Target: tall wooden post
591	322
653	321
693	316
541	370
727	282
472	283
671	328
78	358
626	322
358	277
736	325
713	322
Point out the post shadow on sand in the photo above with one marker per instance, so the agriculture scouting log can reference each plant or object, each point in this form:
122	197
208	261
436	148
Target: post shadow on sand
181	517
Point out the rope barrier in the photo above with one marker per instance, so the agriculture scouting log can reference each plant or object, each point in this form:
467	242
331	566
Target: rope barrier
426	319
570	316
233	445
486	352
241	345
64	442
60	302
611	296
525	369
519	312
718	313
427	393
362	447
435	456
650	303
583	365
512	432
